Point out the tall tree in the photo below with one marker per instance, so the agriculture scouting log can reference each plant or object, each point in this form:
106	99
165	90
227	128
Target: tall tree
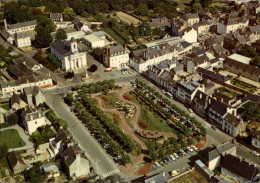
61	34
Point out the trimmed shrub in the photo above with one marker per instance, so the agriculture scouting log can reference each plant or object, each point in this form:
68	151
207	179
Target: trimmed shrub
105	98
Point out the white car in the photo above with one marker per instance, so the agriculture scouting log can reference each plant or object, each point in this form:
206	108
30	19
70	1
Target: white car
157	164
173	158
176	155
194	147
255	153
190	149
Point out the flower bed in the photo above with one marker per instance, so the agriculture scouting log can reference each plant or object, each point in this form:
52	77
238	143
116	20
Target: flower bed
116	117
127	97
105	98
143	124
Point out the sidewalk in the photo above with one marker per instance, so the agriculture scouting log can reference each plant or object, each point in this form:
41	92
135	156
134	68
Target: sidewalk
24	137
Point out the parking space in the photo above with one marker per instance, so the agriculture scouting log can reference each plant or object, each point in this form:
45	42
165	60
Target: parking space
177	161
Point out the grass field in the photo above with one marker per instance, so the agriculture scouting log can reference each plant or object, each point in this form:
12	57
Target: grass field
5	106
192	177
112	99
151	118
11	138
127	18
111	116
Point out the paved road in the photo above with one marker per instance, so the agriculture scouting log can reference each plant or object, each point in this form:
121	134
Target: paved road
23	136
101	161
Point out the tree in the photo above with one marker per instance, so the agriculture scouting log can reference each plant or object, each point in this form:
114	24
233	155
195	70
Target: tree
129	7
3	152
196	7
184	143
191	141
61	34
145	29
103	7
69	98
34	174
68	13
153	156
142	10
43	37
12	119
252	112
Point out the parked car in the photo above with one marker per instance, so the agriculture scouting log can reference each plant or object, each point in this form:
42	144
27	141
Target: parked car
190	110
187	151
174	173
194	147
255	153
172	157
165	161
190	149
123	69
214	127
157	164
176	155
168	158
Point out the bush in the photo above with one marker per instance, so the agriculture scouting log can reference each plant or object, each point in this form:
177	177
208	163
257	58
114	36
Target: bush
143	124
127	97
12	119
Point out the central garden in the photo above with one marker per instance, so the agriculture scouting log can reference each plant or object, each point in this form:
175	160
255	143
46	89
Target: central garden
102	106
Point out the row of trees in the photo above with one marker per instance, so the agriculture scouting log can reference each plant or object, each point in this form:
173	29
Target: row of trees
101	124
172	106
100	86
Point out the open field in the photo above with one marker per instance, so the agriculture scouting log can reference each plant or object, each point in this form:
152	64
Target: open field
150	117
128	18
11	138
192	177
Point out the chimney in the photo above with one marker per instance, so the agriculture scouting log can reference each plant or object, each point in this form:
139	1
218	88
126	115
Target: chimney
200	95
40	114
124	46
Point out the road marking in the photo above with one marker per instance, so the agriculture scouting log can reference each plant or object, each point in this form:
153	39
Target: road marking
110	173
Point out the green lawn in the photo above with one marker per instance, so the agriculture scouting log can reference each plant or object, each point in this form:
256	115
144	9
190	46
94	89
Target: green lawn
11	138
151	118
112	99
111	116
5	106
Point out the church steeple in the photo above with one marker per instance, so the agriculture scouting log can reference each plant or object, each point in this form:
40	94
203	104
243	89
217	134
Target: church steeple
73	45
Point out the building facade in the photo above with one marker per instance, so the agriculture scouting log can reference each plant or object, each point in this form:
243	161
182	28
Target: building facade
69	54
116	57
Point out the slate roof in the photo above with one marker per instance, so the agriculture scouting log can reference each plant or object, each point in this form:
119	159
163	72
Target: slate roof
243	67
61	135
187	29
185	44
15	158
222	148
15	99
56	15
200	51
212	74
70	154
219	107
157	178
192	15
77	23
233	120
22	35
22	24
116	49
239	167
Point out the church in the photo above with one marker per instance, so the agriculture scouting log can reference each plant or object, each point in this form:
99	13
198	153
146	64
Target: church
71	54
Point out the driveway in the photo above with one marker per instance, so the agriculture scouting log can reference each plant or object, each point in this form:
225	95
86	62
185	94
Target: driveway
24	137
